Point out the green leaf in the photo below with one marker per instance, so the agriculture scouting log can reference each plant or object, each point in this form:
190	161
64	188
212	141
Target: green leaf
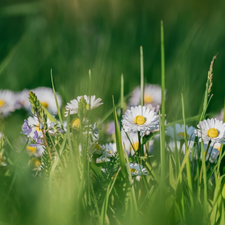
119	143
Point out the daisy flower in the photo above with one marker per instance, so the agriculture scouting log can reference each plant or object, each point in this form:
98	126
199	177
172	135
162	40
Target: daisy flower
137	170
177	132
8	102
140	119
23	99
73	105
45	95
211	130
102	159
109	149
152	96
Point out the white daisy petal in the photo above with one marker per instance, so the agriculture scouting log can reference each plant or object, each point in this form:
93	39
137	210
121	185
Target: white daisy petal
211	130
73	105
152	97
45	95
8	102
137	170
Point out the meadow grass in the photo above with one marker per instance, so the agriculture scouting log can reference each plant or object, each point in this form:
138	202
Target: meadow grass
68	187
181	186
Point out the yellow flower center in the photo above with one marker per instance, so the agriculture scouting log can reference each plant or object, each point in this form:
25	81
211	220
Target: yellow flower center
133	170
45	104
35	162
75	123
135	146
31	149
87	106
110	152
181	134
38	127
140	120
148	99
213	133
2	103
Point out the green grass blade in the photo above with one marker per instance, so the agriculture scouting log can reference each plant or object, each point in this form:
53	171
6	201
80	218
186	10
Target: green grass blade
56	100
188	162
121	100
162	121
142	75
119	142
205	181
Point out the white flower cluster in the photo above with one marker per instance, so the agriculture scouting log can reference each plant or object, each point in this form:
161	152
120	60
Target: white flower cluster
10	101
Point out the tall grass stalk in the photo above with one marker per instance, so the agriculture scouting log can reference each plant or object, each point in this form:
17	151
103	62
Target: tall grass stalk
119	146
205	182
56	100
162	124
142	75
121	99
208	89
190	191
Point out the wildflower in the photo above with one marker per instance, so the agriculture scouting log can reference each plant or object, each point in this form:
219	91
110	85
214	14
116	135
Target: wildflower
211	130
140	119
35	150
8	102
36	138
45	95
26	129
23	99
137	170
36	126
177	132
109	149
73	105
152	96
102	159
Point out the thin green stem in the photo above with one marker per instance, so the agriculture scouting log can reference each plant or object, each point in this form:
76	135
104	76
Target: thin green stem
142	75
162	124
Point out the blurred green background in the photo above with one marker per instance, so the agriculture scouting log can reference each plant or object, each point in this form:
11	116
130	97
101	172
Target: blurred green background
74	36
